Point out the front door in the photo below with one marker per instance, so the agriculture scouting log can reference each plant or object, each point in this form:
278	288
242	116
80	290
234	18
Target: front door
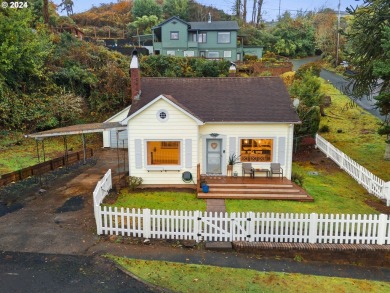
214	156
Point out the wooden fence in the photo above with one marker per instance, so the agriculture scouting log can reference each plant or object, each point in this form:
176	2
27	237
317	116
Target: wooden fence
251	227
369	181
44	167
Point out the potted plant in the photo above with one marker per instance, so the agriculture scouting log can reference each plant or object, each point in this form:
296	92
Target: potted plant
233	159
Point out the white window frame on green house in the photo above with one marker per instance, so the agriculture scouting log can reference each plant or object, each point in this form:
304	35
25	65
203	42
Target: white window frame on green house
224	38
227	54
174	35
171	53
189	53
199	38
211	53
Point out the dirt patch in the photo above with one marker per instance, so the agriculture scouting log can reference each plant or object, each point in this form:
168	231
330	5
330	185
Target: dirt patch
309	154
378	205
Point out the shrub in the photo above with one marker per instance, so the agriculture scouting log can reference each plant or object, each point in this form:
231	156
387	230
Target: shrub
133	182
313	67
250	57
297	178
324	129
266	73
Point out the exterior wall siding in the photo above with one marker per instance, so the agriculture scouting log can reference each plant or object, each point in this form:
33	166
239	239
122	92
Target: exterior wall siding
212	41
169	27
107	133
185	43
179	127
238	131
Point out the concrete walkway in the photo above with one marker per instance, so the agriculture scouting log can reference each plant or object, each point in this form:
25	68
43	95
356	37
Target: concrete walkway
215	205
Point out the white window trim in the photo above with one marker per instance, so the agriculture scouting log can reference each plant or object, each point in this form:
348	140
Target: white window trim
230	37
274	145
161	119
227	54
189	53
174	32
208	54
163	167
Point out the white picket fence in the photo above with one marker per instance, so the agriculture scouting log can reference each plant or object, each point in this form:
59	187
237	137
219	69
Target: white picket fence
252	227
369	181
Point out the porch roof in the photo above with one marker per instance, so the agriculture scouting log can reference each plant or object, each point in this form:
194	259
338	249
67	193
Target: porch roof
77	129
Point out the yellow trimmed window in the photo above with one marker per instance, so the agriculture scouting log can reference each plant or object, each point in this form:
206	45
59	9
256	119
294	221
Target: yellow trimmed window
163	152
256	150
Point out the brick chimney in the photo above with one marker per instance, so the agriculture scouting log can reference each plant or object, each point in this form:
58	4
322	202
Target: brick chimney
135	76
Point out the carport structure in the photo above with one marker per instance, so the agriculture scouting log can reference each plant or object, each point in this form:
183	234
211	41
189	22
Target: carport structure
81	129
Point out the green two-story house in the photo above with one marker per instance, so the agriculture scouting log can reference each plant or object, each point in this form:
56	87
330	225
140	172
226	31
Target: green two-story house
211	40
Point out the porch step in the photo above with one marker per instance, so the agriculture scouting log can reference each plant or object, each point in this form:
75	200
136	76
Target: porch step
281	196
228	185
260	190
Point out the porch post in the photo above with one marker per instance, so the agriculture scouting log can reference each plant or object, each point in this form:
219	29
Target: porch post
84	150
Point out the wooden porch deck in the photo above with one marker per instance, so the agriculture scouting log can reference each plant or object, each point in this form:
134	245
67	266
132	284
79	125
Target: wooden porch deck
226	187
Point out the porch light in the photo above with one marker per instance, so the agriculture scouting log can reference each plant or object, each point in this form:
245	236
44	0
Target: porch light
214	134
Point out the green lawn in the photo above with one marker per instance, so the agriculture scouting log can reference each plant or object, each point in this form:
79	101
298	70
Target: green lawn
359	138
180	277
18	152
333	193
160	200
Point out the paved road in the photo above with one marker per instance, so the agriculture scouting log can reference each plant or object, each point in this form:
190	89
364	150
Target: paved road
33	272
340	83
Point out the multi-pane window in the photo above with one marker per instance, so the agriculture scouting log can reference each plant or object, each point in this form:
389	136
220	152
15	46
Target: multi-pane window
256	150
163	152
224	37
213	54
200	37
227	54
174	35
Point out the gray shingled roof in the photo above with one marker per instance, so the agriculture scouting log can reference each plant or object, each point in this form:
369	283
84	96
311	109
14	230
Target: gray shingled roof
262	99
214	25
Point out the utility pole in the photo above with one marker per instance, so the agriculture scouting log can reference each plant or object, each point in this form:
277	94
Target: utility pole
279	7
338	35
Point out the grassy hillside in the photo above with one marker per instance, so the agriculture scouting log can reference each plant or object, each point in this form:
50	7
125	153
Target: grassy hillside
354	131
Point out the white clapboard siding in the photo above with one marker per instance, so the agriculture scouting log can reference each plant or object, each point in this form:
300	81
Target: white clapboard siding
281	134
178	127
251	227
369	181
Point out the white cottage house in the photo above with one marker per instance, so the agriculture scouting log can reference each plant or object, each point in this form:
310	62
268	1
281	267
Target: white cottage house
174	124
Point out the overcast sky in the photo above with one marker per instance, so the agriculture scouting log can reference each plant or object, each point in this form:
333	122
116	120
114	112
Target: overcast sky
270	7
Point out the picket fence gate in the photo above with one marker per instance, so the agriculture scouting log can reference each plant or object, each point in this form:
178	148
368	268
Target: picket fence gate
369	181
250	226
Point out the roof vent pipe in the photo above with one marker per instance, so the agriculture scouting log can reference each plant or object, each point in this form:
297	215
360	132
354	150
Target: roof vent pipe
209	18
